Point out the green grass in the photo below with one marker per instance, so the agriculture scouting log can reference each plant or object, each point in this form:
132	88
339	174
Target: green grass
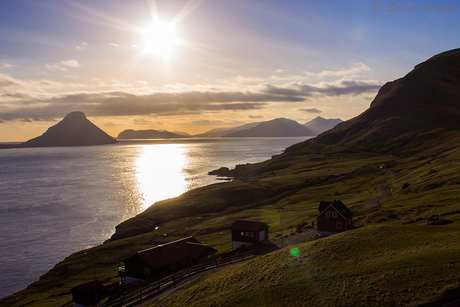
371	266
391	257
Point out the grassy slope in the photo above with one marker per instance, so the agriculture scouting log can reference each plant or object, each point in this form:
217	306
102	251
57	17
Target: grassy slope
351	268
380	265
393	259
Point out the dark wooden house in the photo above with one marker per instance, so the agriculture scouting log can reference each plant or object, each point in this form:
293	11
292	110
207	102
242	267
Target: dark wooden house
334	217
245	233
160	261
87	294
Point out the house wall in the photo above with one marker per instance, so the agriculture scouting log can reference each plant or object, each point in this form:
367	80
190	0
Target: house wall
328	222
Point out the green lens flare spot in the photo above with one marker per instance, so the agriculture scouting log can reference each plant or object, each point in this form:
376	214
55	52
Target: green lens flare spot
295	252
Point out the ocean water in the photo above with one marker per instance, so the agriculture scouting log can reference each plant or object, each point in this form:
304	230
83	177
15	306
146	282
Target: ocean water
56	201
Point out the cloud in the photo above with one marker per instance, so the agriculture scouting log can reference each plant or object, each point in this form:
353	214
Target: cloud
113	45
6	65
82	46
70	63
121	103
341	88
55	67
311	110
359	67
255	116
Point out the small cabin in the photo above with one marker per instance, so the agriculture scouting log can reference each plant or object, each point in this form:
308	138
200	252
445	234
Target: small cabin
87	294
163	260
245	233
334	217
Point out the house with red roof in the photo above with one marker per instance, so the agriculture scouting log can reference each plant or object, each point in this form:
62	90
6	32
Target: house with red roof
245	233
334	217
160	261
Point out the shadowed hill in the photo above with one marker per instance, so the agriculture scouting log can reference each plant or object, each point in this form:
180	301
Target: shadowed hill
74	130
422	107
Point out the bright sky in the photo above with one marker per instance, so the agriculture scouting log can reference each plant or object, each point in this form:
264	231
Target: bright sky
196	65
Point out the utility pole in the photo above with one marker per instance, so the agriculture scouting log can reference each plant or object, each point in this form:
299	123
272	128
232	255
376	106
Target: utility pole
281	226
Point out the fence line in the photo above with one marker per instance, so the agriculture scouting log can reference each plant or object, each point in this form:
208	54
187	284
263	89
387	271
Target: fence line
171	280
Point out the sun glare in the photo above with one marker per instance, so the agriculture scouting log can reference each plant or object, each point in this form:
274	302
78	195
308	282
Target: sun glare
160	38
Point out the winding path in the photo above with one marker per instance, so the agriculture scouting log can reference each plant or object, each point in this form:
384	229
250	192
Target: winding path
383	189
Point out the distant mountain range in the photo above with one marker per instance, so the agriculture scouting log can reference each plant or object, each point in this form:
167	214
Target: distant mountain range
218	132
74	130
319	124
279	127
149	134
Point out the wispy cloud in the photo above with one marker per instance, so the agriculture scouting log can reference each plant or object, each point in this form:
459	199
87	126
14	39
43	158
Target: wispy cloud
340	88
311	110
70	63
82	46
127	104
357	68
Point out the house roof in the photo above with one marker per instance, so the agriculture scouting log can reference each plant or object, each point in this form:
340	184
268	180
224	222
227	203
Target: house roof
175	251
248	225
338	206
87	287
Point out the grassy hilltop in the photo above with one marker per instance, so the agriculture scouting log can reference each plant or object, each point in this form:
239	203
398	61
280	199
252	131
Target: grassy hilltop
407	141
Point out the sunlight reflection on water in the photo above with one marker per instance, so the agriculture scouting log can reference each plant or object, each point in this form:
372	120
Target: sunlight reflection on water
159	172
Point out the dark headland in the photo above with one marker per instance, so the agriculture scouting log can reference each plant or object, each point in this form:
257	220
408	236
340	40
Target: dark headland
74	130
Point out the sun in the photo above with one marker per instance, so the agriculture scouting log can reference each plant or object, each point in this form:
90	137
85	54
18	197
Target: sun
160	38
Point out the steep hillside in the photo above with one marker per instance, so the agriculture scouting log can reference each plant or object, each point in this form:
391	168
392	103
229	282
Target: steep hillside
280	127
74	130
419	110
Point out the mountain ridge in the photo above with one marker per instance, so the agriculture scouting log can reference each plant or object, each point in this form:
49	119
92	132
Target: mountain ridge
319	124
423	106
279	127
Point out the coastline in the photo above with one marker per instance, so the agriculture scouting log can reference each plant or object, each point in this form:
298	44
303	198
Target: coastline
209	142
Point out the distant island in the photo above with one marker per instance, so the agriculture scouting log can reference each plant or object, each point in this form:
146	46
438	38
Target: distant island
149	134
74	130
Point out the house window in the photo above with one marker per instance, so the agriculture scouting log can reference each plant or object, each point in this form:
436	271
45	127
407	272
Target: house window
173	266
251	234
147	271
242	233
334	214
338	225
328	214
